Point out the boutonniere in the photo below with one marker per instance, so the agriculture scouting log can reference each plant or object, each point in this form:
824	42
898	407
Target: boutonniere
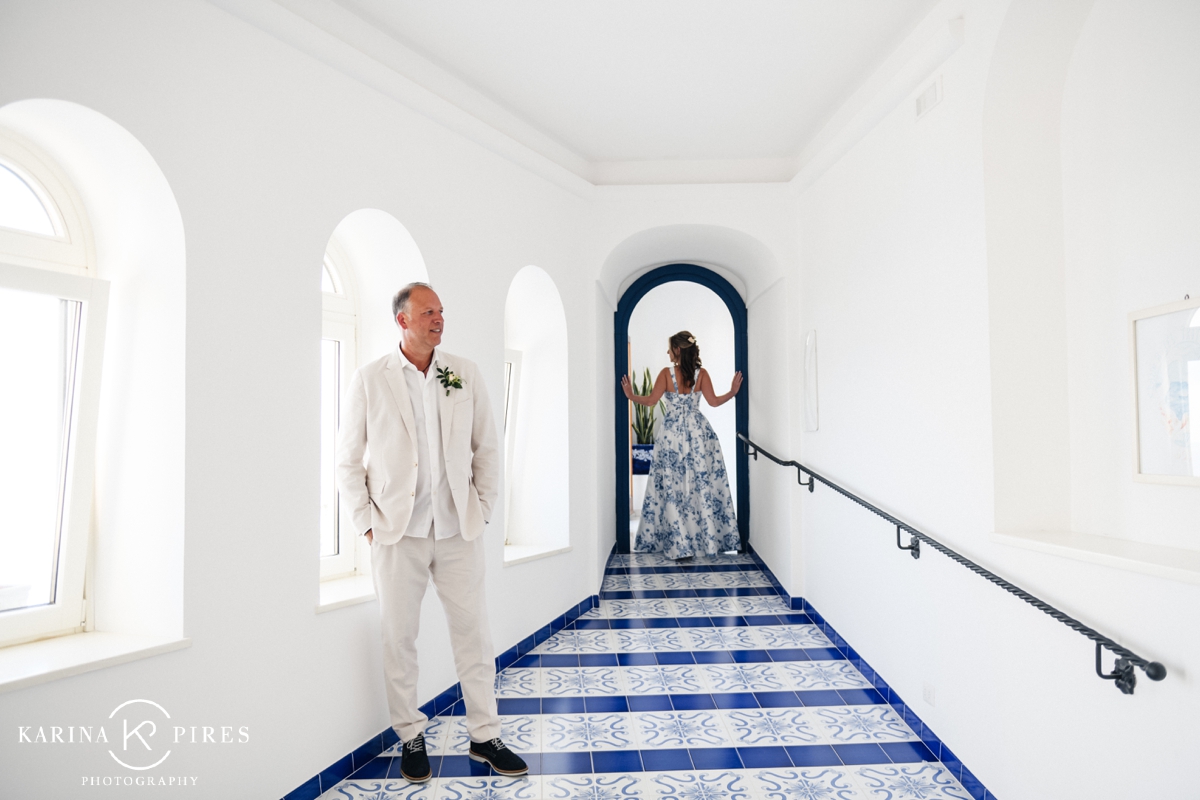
449	379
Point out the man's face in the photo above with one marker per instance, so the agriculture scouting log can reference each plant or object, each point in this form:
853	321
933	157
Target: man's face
422	322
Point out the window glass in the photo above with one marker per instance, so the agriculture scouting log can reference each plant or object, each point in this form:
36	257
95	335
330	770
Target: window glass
38	363
330	392
508	368
327	284
20	208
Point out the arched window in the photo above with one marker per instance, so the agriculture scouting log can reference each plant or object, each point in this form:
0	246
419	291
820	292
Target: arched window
42	223
21	209
339	359
536	419
368	258
52	319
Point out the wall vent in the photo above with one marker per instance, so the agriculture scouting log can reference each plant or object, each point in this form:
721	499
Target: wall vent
930	97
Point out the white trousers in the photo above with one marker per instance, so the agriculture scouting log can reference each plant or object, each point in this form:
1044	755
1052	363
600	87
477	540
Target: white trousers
402	572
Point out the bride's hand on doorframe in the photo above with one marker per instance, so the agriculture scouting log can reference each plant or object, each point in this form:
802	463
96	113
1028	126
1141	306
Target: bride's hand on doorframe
627	387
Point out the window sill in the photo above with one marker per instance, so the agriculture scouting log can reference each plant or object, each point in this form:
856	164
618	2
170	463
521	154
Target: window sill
342	592
29	664
1149	559
520	553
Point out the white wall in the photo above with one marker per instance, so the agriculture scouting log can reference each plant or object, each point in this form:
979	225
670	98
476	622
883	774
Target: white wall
1131	120
772	370
896	255
681	305
538	478
266	151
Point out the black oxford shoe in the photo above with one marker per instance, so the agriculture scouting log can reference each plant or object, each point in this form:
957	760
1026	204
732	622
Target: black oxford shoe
414	762
497	754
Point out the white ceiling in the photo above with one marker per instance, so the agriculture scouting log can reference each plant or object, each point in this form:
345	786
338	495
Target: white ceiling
654	80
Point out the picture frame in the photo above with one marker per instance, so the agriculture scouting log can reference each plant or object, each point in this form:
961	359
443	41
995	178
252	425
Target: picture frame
1165	363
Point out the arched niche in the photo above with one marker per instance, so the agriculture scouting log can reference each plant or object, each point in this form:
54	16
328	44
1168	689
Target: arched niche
375	256
370	255
536	419
1026	263
740	259
126	229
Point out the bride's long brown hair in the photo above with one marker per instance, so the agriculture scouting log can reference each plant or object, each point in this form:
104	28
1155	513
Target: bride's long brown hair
689	356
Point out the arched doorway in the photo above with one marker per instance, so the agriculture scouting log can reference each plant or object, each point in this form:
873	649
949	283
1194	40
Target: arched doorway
737	310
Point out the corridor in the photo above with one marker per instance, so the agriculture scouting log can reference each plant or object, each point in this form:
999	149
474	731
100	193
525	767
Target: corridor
693	682
950	245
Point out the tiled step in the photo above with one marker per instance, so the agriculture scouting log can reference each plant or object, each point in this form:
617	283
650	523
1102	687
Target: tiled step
671	729
685	580
679	678
680	702
690	681
581	780
745	638
595	621
693	607
676	657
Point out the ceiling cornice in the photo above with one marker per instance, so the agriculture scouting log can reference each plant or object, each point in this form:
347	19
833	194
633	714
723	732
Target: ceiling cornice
359	49
378	62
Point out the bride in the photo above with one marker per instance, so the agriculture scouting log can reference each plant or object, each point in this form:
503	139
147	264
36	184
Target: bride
688	509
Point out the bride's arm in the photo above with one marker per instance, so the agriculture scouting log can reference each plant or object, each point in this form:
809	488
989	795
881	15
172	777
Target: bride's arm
660	388
706	388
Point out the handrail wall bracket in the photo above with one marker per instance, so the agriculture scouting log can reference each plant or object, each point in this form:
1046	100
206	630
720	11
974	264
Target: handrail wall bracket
752	450
1122	672
914	544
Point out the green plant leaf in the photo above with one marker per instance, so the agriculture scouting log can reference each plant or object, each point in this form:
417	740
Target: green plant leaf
643	416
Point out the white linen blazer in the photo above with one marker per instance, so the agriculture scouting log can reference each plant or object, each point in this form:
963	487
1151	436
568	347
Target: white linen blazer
377	448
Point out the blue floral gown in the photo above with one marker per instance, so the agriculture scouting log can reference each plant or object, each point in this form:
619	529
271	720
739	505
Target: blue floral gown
688	509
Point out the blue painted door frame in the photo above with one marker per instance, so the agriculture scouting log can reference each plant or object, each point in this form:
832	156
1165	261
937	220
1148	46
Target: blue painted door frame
737	309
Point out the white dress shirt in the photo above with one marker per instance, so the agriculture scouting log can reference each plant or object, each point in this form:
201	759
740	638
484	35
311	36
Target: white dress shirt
433	506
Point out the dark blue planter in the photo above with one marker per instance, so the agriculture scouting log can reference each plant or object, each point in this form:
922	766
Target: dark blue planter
643	456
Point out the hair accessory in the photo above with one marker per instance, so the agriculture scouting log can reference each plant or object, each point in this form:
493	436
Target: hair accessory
692	339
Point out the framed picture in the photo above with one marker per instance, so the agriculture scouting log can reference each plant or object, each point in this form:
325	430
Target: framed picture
1165	345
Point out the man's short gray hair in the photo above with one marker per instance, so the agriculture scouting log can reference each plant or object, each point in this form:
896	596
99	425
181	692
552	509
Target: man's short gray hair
400	301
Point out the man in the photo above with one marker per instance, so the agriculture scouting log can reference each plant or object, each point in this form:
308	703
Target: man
423	496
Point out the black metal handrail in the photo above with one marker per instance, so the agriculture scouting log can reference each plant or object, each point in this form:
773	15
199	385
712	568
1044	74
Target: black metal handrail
1122	673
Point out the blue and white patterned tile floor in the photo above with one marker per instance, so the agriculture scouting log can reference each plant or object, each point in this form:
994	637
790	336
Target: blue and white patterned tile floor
692	682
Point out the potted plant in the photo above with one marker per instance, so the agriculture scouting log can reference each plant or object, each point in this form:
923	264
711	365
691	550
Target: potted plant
643	427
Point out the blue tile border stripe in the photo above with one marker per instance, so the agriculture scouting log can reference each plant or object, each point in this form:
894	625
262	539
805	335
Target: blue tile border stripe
662	594
672	657
747	567
619	623
622	703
